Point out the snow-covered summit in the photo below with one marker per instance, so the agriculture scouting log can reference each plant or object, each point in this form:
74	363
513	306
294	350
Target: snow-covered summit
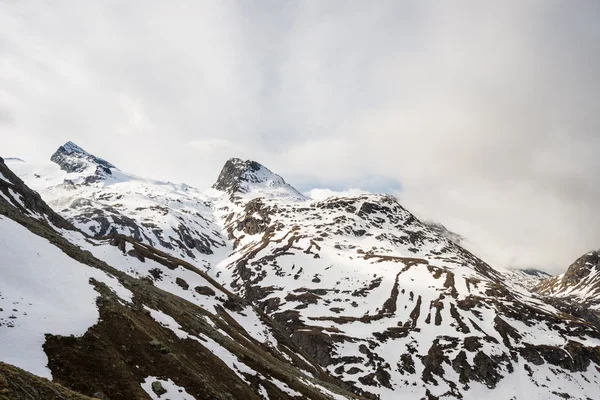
73	159
249	178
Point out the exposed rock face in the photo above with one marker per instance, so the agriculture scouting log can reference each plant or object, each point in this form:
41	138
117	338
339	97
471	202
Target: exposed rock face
577	291
235	173
72	158
581	268
240	177
581	281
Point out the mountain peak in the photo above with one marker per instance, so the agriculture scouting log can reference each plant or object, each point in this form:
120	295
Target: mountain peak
582	280
581	268
71	147
240	177
72	158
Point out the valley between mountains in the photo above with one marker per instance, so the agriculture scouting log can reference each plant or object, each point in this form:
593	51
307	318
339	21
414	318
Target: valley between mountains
115	286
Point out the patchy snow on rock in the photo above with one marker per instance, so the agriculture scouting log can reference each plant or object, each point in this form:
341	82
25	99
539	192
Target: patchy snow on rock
168	322
251	322
3	178
171	390
221	352
285	388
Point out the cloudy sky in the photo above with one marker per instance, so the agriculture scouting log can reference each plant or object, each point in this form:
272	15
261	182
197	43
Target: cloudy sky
482	115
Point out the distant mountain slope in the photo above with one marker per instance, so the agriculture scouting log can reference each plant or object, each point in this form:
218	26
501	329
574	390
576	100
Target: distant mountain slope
580	282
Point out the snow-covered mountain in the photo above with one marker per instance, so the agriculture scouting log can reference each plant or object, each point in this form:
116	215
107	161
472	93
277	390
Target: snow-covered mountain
349	289
102	200
581	282
119	319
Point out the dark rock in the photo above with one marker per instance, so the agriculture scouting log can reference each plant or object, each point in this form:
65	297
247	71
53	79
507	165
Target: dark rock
316	344
182	283
581	268
72	158
204	290
158	388
530	353
156	273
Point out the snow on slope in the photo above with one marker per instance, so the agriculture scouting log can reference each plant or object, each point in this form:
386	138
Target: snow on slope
388	304
42	290
380	299
171	390
60	301
175	218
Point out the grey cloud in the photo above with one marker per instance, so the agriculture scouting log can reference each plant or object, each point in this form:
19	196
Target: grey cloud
486	113
6	117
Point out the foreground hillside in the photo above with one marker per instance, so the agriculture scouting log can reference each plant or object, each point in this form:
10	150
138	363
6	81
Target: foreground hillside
290	297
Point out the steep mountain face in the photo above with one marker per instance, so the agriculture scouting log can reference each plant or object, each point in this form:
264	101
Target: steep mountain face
119	319
357	287
72	158
577	291
581	281
249	179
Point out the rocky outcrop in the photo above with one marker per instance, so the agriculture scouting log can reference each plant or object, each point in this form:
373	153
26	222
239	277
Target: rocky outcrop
240	177
581	268
235	173
580	285
72	158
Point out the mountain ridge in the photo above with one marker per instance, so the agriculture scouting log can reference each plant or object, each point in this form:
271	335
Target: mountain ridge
373	296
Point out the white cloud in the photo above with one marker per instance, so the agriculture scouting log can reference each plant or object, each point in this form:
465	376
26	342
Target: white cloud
486	113
134	120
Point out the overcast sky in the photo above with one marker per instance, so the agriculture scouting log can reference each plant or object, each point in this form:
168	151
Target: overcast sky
482	115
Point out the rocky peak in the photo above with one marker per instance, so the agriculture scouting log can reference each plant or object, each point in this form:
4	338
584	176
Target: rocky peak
72	158
582	268
581	282
241	177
